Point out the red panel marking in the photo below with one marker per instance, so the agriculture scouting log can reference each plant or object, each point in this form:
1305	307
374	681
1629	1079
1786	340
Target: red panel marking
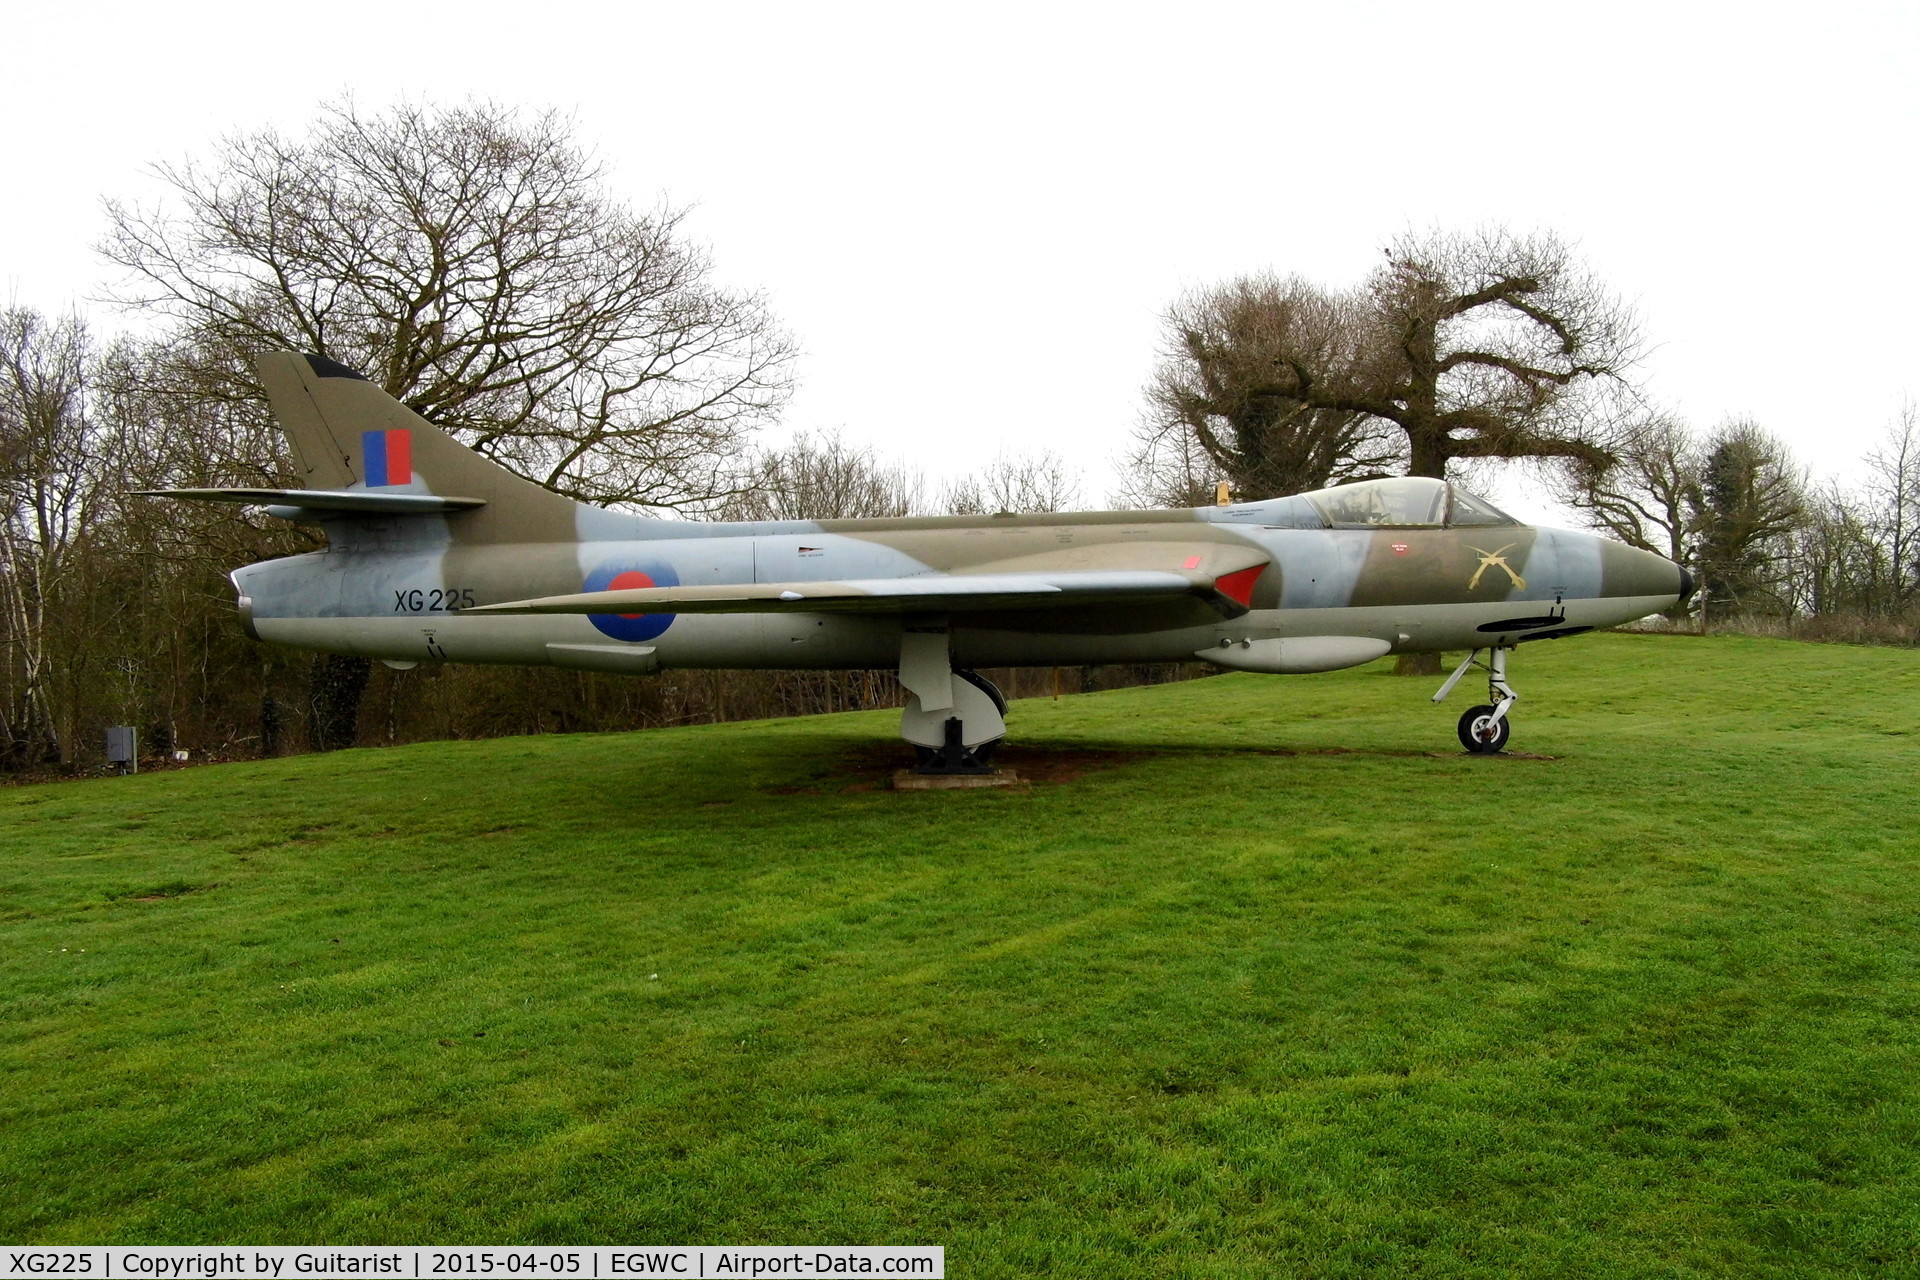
1193	562
1399	548
631	580
400	456
1239	586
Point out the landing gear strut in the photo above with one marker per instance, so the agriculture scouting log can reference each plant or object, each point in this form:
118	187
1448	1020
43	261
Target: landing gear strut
954	719
1485	729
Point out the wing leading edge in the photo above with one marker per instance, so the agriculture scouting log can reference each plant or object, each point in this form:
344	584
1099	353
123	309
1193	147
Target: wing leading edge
949	593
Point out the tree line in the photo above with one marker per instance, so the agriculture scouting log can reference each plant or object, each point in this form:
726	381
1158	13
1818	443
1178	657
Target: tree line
472	262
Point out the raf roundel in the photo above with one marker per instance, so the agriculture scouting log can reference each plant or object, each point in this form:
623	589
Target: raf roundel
627	575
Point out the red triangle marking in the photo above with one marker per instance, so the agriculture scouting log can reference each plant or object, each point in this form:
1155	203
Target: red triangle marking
1239	586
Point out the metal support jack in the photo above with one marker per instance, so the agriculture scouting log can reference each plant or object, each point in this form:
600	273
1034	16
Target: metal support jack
954	719
1485	729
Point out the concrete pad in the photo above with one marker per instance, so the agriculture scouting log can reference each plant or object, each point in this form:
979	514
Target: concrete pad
908	780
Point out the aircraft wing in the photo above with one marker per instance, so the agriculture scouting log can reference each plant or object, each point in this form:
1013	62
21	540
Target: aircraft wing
929	593
392	504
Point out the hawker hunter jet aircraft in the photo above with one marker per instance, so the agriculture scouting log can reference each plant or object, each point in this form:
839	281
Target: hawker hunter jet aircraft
435	554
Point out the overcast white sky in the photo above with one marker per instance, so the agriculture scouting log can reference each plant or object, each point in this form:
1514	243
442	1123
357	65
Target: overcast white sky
971	217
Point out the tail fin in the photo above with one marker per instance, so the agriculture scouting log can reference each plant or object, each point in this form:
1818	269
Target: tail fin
347	433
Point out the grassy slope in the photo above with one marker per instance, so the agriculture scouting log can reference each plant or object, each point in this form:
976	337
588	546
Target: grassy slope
1270	990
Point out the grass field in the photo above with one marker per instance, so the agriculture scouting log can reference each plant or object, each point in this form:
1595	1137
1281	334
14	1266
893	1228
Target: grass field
1260	979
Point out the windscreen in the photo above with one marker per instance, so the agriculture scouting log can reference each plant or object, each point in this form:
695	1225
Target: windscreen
1408	501
1471	510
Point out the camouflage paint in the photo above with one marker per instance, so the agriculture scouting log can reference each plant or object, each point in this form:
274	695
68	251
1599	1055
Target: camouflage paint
401	587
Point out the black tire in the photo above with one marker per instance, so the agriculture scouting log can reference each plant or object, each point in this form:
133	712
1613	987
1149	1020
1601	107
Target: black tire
1474	731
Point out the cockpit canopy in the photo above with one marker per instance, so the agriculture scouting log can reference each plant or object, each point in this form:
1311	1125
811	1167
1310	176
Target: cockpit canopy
1406	502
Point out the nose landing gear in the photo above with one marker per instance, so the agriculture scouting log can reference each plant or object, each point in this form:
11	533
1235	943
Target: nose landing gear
1485	729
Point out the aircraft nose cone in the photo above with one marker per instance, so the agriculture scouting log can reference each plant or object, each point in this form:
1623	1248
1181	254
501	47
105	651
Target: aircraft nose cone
1687	584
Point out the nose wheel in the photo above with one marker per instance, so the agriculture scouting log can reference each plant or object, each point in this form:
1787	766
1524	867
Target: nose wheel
1481	733
1485	729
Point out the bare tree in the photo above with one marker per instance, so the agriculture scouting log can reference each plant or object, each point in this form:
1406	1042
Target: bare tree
472	262
822	478
1020	483
1167	469
1893	508
1643	493
1476	346
58	471
1836	564
1220	394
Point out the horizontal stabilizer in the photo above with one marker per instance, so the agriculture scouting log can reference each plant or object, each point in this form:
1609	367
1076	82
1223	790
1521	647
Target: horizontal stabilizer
384	504
954	593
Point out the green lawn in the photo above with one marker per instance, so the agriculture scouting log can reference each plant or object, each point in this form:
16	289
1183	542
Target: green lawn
1262	979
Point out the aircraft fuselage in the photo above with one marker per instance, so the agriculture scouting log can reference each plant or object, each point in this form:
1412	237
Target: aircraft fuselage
394	590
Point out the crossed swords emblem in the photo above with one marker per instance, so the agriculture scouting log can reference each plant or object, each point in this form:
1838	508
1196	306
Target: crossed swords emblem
1489	559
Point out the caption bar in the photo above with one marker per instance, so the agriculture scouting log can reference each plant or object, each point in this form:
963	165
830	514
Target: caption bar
548	1262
